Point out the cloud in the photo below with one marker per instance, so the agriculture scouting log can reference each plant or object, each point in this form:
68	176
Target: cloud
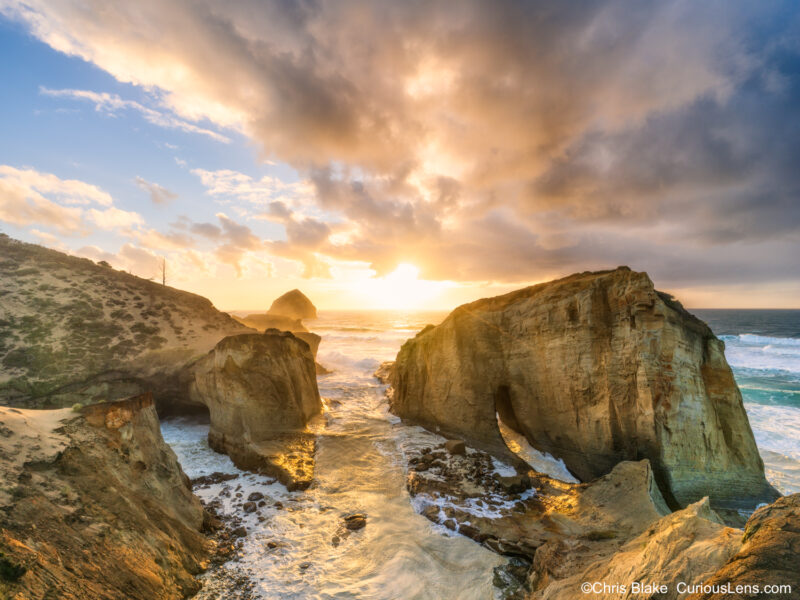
158	194
68	191
113	104
503	140
233	242
227	185
114	218
29	197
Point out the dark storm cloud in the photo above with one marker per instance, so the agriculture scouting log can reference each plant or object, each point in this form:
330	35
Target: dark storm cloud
500	139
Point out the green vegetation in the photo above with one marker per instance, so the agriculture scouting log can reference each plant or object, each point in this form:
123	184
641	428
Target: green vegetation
9	570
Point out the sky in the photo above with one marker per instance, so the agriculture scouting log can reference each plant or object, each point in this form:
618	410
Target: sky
408	154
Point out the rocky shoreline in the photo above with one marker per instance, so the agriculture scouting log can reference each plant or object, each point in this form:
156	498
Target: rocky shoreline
599	370
616	528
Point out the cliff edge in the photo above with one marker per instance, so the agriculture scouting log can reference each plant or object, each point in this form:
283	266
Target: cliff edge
95	505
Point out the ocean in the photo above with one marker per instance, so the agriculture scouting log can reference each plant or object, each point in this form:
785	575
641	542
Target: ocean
290	553
763	349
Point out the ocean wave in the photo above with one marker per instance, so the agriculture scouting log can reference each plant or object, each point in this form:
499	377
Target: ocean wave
752	338
750	351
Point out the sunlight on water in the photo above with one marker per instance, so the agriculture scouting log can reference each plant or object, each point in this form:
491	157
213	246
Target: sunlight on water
360	468
290	553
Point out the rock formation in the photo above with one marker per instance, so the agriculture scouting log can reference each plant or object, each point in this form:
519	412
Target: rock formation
95	505
595	368
263	321
75	331
261	391
295	305
687	546
767	554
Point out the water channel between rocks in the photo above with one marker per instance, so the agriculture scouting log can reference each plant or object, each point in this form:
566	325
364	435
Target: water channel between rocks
296	546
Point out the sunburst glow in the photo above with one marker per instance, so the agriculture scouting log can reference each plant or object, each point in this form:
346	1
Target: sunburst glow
401	289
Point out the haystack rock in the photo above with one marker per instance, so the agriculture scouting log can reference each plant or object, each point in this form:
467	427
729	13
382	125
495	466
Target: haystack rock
595	368
294	304
96	506
261	391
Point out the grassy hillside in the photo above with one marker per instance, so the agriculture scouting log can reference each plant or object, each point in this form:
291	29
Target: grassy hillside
74	330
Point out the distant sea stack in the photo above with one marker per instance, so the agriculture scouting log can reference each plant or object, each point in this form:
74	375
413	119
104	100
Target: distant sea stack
95	505
294	304
75	331
595	368
261	391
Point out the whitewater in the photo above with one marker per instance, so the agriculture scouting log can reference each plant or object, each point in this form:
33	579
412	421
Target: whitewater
295	548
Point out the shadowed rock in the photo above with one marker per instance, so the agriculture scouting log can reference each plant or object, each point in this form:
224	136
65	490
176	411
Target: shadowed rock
595	368
294	304
100	506
261	391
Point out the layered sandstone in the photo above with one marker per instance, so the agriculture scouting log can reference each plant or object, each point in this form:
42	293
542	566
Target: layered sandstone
261	391
767	555
594	369
686	546
95	505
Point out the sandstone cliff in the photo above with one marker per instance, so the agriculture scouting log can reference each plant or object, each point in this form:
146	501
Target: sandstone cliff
594	369
95	505
261	392
767	554
294	304
75	331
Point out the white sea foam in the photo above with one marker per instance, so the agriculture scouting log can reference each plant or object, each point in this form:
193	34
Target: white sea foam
777	433
762	352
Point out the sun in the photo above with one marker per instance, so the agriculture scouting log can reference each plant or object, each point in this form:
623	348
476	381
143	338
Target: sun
402	289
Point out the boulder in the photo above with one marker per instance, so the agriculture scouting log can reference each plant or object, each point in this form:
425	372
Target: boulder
294	304
96	506
594	369
261	391
355	522
455	447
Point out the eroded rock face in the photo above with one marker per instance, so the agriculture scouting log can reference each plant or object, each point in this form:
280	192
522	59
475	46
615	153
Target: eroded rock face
261	391
594	369
294	304
686	546
96	505
768	554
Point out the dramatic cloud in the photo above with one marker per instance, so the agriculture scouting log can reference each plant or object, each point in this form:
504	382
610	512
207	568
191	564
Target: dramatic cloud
503	140
158	194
